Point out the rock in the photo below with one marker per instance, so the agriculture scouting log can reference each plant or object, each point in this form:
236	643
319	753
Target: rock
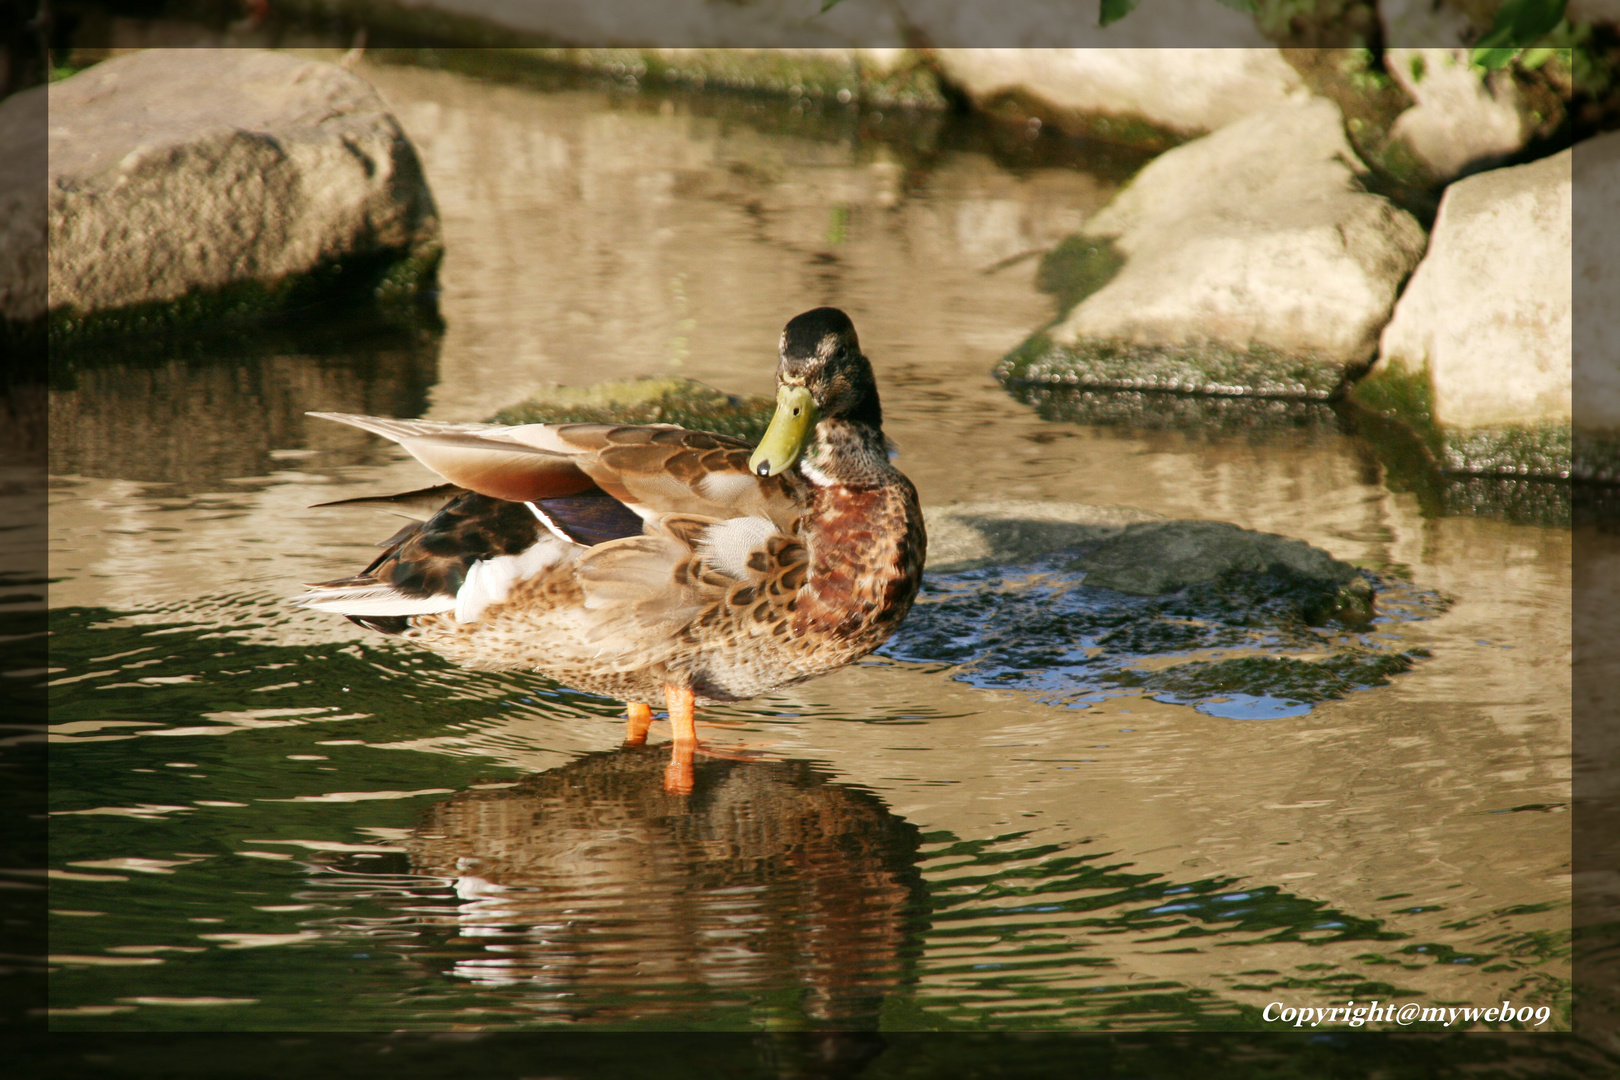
1116	93
22	208
1154	558
1135	551
192	184
1465	119
967	535
1477	359
1596	176
1254	263
1071	601
684	402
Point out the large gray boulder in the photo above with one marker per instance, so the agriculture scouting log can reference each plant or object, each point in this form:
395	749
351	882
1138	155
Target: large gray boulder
1596	175
1254	262
222	178
1184	91
22	207
1477	358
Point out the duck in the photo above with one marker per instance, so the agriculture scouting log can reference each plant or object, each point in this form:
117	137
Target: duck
652	561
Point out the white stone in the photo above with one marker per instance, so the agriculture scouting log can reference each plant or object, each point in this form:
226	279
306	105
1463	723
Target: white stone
1488	314
1190	91
173	171
1259	234
1596	175
1464	119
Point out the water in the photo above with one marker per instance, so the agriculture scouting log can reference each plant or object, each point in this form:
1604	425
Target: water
267	819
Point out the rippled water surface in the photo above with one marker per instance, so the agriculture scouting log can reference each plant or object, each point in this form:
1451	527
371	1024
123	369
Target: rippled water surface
1015	817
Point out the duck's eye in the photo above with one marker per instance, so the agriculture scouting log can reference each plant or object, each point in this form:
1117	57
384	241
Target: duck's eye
797	411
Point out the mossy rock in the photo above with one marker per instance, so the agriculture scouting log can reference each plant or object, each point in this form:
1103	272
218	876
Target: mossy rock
1207	368
683	402
396	288
1397	393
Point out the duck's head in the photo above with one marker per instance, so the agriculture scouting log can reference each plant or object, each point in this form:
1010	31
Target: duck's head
825	392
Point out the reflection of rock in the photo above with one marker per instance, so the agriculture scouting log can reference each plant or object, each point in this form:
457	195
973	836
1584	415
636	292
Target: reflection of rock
1477	359
1254	263
1186	91
220	180
766	881
195	422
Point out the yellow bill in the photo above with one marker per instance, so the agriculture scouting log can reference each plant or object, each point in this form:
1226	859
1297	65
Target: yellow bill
790	429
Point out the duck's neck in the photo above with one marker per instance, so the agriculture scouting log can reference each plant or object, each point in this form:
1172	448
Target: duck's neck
864	535
847	454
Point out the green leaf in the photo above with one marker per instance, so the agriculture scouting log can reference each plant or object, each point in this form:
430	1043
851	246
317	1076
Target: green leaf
1491	59
1114	10
1534	58
1520	22
828	5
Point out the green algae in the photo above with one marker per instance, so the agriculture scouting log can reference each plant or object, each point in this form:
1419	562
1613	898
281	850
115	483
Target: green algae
1303	682
1076	268
1148	410
683	402
1207	368
1595	457
1398	393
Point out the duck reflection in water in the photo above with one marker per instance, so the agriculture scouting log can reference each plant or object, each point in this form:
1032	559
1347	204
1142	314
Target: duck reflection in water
769	896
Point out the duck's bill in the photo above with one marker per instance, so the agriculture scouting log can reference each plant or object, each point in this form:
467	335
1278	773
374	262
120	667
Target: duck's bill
790	428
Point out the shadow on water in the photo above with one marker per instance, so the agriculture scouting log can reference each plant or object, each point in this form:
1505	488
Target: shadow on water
192	412
591	895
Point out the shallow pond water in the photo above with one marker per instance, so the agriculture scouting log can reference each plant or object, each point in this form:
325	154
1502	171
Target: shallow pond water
268	819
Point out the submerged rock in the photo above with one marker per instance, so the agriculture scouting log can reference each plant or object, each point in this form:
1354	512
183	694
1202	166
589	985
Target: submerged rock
1253	263
1477	359
1137	552
683	402
191	185
1075	603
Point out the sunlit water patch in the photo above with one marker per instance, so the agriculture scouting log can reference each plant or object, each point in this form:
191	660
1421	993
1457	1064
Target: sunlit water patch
1245	646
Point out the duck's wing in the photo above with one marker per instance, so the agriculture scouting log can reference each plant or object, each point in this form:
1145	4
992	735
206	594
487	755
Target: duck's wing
654	471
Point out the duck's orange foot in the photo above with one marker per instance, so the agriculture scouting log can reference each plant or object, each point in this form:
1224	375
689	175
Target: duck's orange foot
678	775
637	718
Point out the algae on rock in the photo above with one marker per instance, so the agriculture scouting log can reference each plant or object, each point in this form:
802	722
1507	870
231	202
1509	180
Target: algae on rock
684	402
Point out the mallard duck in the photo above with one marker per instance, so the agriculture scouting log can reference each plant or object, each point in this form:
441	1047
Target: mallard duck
638	562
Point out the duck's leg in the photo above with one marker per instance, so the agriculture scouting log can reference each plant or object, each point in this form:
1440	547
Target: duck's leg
637	718
683	724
